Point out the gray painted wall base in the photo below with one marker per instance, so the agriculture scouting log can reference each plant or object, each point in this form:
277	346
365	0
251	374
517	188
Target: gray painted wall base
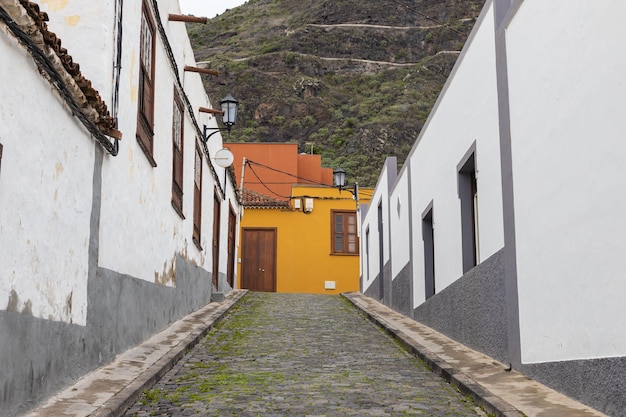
42	356
387	296
401	292
373	290
472	309
599	383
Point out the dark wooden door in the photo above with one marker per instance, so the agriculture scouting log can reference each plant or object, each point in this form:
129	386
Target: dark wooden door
232	231
258	263
217	204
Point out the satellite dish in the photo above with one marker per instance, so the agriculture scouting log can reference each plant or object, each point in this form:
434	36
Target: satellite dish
224	158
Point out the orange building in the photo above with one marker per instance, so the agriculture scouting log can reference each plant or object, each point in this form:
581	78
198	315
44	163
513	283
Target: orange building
298	232
279	166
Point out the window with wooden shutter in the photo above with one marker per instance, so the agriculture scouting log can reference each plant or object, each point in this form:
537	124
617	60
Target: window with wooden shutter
145	113
197	197
177	152
344	238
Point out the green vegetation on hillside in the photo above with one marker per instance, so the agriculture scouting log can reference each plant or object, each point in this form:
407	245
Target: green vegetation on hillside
353	81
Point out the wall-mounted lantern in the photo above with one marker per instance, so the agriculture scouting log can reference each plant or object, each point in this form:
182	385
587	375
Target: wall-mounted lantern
229	113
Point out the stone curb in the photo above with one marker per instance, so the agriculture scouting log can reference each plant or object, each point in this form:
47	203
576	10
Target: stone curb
466	385
117	405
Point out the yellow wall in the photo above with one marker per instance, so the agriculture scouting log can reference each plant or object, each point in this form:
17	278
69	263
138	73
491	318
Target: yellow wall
304	260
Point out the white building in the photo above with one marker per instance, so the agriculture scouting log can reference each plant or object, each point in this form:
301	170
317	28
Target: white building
102	243
505	227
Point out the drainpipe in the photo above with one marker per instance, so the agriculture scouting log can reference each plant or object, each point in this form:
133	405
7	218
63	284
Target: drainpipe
117	54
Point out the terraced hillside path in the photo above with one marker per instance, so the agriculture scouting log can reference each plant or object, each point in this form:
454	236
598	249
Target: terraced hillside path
300	355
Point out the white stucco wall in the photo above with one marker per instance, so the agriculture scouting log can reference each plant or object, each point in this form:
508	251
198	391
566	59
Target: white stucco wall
45	194
370	222
567	88
466	114
86	30
130	181
399	225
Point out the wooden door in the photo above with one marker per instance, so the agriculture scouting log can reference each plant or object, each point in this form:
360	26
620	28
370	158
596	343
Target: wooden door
232	230
217	203
258	267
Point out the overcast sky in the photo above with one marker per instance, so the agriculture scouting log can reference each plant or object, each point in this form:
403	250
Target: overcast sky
208	8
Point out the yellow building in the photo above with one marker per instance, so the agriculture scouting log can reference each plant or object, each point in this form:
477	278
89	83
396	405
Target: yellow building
307	244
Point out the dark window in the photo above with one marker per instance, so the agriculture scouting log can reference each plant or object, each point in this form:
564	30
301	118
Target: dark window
367	253
468	196
381	253
344	233
177	148
145	113
428	235
197	197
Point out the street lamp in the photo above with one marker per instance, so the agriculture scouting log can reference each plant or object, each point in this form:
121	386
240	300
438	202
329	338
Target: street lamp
229	111
339	178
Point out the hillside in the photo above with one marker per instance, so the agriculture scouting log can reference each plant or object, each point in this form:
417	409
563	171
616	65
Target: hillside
352	80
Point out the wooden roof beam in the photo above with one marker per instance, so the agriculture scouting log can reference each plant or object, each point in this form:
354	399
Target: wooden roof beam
187	18
211	111
205	71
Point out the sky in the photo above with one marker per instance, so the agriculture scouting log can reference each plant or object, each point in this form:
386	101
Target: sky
208	8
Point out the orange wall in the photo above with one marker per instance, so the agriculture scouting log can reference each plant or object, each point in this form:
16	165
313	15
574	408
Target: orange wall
304	259
280	156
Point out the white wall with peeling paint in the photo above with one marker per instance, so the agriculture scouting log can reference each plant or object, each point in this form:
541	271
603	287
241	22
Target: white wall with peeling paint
80	23
45	195
144	192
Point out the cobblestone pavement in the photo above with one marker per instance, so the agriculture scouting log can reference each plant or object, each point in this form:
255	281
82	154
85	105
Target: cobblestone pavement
299	355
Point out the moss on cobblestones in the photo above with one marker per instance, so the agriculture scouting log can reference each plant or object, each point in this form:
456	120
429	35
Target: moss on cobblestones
298	355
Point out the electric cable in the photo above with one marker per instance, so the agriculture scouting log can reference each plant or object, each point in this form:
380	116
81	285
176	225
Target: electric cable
53	76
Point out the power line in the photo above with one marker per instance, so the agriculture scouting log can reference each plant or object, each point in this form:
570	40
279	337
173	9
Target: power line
263	184
310	181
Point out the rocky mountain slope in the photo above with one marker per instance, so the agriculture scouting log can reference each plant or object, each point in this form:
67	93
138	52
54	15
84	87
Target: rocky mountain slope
352	80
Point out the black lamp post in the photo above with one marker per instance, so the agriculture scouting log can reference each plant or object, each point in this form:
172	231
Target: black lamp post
229	108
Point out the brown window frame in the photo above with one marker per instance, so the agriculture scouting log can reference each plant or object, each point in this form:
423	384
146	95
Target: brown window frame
178	146
145	101
345	233
197	197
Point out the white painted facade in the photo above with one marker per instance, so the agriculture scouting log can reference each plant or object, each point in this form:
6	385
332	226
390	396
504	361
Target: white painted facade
45	195
564	230
434	176
567	105
370	241
67	219
129	181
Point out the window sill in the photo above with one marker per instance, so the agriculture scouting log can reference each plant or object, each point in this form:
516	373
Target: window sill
198	245
343	254
178	210
146	152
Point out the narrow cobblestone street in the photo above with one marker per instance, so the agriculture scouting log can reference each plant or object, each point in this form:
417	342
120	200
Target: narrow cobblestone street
299	355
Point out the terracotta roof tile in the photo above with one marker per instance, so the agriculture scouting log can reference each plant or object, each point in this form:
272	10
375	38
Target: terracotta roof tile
253	199
95	108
